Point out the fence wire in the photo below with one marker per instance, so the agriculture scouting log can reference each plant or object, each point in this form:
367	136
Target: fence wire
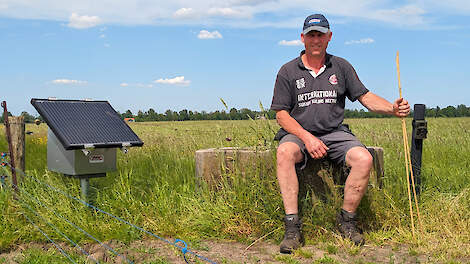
183	249
50	239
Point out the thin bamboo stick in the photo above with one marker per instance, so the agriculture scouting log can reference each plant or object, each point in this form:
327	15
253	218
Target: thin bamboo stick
405	145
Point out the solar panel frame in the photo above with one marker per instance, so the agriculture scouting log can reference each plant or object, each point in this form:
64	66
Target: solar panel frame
80	124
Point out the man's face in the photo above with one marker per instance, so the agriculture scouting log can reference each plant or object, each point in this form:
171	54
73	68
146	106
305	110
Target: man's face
316	42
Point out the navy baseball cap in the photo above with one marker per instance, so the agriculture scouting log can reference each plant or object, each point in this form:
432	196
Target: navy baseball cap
316	22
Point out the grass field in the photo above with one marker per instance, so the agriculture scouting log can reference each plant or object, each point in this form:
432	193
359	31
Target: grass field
155	187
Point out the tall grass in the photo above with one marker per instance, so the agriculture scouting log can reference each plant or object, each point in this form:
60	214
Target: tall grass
155	187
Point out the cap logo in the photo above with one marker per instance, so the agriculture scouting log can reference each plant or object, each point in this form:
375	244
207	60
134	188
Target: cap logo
333	80
315	20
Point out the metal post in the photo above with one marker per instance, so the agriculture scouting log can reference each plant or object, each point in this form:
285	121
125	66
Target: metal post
419	133
85	185
10	147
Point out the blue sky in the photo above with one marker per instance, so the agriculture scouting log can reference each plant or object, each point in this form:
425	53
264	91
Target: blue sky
187	54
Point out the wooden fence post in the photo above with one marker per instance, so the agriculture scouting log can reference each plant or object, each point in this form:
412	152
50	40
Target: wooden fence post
17	130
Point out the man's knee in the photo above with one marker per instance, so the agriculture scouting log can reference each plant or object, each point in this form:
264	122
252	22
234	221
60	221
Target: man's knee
288	153
360	158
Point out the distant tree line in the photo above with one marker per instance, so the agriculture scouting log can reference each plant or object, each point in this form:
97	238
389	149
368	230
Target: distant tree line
245	113
184	115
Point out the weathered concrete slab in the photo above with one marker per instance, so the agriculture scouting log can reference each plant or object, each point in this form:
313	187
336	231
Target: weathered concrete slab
212	163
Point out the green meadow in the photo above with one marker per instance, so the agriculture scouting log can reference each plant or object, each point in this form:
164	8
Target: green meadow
155	187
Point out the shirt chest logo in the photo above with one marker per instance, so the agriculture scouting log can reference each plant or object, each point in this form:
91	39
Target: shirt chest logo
300	83
333	80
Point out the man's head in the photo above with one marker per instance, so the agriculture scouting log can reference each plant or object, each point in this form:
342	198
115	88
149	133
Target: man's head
315	35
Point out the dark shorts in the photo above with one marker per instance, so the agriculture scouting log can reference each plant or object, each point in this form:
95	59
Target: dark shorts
339	142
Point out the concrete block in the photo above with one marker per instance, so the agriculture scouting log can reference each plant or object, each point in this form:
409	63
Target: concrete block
212	163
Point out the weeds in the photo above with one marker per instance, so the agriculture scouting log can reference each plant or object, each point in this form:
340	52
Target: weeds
155	188
325	260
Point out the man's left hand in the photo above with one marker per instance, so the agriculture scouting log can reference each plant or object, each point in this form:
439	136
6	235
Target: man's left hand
401	108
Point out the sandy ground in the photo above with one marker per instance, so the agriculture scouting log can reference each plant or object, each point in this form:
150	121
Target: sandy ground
156	251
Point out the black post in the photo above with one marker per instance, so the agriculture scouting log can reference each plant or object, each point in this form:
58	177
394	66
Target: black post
420	131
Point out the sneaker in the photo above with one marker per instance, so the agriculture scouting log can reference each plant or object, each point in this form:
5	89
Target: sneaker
347	226
293	238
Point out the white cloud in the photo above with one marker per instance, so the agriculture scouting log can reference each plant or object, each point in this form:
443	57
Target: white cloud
175	81
102	36
296	42
201	13
250	2
204	34
68	81
457	6
411	15
184	13
242	13
360	41
82	22
227	12
124	84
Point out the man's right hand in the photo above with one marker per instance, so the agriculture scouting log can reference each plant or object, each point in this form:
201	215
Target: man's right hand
315	147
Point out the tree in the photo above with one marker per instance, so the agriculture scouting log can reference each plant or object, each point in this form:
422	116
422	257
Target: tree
127	114
247	114
27	117
140	116
1	117
462	110
449	111
169	115
438	109
271	114
183	115
233	114
152	115
430	112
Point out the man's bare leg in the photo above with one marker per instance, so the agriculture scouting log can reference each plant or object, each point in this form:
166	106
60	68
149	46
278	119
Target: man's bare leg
360	161
288	154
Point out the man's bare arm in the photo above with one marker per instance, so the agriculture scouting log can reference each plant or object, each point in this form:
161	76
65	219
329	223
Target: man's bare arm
315	147
377	104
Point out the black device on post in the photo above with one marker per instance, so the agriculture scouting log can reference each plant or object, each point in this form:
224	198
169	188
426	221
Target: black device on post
420	131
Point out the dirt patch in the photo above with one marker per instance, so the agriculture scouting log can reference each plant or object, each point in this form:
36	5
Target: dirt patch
156	251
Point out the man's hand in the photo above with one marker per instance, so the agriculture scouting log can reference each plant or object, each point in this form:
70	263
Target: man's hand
401	108
315	147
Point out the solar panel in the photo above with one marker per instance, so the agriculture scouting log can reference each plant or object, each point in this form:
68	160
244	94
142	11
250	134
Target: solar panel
83	124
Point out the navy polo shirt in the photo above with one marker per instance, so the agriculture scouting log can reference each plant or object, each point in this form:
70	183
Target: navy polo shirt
316	103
